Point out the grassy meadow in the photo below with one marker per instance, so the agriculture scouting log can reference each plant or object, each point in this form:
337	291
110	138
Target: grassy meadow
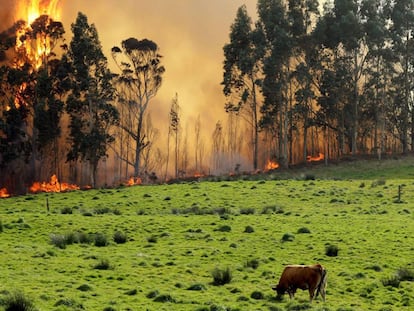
217	244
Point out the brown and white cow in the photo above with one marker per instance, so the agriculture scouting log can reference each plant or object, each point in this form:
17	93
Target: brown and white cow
311	277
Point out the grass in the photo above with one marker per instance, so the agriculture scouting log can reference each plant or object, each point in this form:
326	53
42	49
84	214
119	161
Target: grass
66	261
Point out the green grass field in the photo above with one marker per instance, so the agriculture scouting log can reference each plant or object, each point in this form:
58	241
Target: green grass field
156	247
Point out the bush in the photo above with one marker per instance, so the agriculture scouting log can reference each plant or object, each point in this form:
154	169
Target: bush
164	298
66	210
1	226
253	263
58	240
103	264
249	229
405	274
120	237
288	237
18	302
272	209
331	250
303	230
224	228
221	277
196	287
152	239
257	295
247	211
101	240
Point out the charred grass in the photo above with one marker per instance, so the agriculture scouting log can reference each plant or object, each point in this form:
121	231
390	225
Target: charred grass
165	254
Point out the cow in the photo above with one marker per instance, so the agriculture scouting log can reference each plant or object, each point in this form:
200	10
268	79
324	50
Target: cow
311	277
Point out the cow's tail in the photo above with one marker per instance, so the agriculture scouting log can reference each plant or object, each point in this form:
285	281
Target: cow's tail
322	283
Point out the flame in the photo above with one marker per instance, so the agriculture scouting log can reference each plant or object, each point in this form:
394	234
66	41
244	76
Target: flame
133	181
4	193
319	157
53	186
29	10
271	165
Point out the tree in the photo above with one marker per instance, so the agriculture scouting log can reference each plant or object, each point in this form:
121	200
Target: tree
174	129
89	103
141	75
402	17
276	71
241	73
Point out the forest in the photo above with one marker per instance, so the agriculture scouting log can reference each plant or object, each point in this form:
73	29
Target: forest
301	82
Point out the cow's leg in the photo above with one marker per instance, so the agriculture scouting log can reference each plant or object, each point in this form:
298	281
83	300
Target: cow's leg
311	293
291	291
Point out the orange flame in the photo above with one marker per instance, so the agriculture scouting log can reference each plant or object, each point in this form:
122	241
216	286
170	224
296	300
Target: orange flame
30	10
319	157
133	181
271	165
4	193
53	186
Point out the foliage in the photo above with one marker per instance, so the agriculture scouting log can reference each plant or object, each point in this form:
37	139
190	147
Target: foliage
18	302
221	276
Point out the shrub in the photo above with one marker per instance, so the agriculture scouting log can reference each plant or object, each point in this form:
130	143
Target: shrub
101	240
18	302
152	294
247	211
152	239
331	250
257	295
164	298
120	237
58	240
1	226
196	287
288	237
221	277
303	230
405	274
272	209
102	210
66	210
249	229
84	288
109	309
253	263
103	264
224	228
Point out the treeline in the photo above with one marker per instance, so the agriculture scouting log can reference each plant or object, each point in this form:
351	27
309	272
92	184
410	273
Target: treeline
297	82
335	83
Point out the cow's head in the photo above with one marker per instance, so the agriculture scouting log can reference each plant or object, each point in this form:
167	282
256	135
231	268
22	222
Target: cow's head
279	290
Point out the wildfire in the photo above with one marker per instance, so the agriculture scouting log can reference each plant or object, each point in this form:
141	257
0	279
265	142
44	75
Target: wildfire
271	165
53	186
4	193
37	48
319	157
133	181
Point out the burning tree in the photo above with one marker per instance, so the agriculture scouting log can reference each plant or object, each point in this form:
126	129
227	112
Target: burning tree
30	105
89	103
139	81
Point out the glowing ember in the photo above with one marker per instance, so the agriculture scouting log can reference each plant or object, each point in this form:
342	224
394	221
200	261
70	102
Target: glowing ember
320	157
37	48
53	186
133	181
271	165
4	193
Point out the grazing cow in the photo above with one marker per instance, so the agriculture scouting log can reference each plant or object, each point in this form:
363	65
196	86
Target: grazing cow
311	277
